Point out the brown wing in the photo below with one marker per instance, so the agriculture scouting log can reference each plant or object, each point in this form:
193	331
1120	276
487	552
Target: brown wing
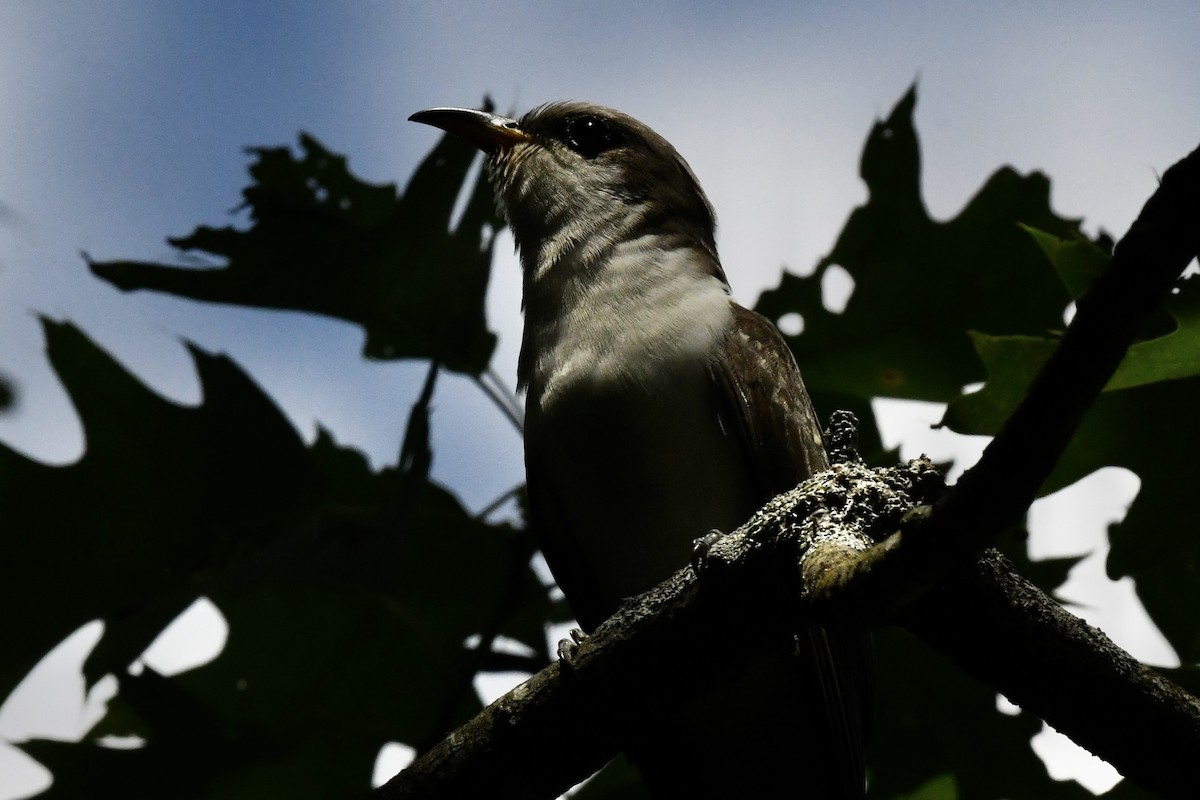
767	404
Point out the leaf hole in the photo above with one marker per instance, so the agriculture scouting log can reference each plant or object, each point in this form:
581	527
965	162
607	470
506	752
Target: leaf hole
790	324
836	288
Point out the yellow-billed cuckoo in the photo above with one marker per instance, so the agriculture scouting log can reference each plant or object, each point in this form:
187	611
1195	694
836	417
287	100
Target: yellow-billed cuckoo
659	409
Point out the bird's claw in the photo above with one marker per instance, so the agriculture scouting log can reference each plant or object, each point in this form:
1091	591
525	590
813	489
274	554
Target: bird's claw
567	647
700	548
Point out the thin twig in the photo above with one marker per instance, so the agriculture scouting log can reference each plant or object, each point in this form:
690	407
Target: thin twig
484	512
502	398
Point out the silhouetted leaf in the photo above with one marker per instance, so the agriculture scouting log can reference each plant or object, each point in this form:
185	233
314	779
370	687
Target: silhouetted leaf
344	588
321	240
920	287
1047	574
1127	790
619	780
191	753
162	494
919	284
932	721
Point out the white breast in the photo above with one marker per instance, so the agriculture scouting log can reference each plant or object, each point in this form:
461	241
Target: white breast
646	312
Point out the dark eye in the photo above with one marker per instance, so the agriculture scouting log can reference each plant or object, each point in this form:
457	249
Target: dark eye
590	136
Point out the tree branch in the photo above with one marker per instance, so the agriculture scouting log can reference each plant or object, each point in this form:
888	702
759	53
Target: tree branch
569	719
1001	629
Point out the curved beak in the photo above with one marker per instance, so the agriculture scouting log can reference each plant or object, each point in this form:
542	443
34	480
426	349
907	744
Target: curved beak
489	132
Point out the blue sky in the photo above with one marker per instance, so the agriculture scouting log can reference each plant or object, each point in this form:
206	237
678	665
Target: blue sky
124	122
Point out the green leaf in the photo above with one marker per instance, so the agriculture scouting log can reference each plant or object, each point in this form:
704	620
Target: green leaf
1012	361
1173	355
324	241
1138	422
1078	261
942	787
1172	347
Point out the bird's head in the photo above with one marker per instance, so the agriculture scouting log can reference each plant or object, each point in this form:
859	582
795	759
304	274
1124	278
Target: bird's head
574	177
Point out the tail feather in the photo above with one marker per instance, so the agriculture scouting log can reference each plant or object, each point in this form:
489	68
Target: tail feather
791	724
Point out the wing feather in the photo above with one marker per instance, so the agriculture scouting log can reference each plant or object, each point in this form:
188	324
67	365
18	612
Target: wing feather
765	398
767	403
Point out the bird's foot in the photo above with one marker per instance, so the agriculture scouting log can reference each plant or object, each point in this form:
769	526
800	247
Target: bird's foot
700	548
567	647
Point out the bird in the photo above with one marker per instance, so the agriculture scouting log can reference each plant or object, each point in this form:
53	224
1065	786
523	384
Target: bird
658	409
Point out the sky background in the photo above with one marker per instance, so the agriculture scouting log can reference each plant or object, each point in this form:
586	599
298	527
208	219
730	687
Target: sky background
125	122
